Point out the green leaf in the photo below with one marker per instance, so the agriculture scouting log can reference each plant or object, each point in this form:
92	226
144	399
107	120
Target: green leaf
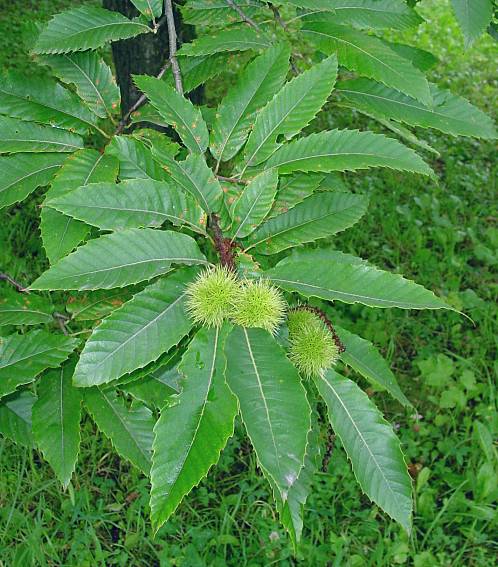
120	259
293	189
259	81
419	58
272	403
370	57
19	136
177	111
135	159
371	445
56	421
87	27
449	113
353	283
24	309
346	150
194	176
23	173
406	134
156	141
363	357
321	256
217	12
130	430
15	417
94	305
291	511
91	77
393	14
83	167
316	217
154	389
197	70
234	39
132	203
61	233
44	100
164	369
292	108
254	203
149	8
23	357
137	333
193	430
474	16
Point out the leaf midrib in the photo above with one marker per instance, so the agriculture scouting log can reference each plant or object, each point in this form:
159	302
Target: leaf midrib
421	108
31	355
144	453
89	80
366	445
121	266
243	110
46	105
336	154
366	53
302	224
74	35
269	134
401	304
182	119
201	415
40	141
30	174
140	330
263	397
254	203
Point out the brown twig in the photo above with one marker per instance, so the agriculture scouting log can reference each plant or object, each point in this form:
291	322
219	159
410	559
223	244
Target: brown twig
244	17
224	246
319	313
19	287
170	20
61	321
232	180
140	102
283	25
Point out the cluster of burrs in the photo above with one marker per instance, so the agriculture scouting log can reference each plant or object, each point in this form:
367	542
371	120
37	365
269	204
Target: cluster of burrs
218	295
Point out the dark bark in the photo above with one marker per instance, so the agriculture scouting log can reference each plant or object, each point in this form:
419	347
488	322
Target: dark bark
141	55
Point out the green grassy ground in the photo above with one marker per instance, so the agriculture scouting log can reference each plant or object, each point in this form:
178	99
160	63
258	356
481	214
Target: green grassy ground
442	235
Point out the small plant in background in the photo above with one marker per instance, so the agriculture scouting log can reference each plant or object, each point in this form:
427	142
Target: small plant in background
202	242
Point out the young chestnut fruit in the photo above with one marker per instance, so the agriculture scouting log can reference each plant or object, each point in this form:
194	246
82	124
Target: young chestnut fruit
259	304
312	346
211	296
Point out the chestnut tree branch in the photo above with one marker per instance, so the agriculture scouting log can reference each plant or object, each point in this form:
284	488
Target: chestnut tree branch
19	287
244	17
172	37
140	102
283	25
232	180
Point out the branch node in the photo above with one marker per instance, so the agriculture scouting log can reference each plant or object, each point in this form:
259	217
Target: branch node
224	246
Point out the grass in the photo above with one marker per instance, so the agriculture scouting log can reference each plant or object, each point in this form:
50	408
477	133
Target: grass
443	236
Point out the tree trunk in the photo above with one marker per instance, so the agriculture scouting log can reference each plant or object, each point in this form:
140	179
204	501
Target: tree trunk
141	55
